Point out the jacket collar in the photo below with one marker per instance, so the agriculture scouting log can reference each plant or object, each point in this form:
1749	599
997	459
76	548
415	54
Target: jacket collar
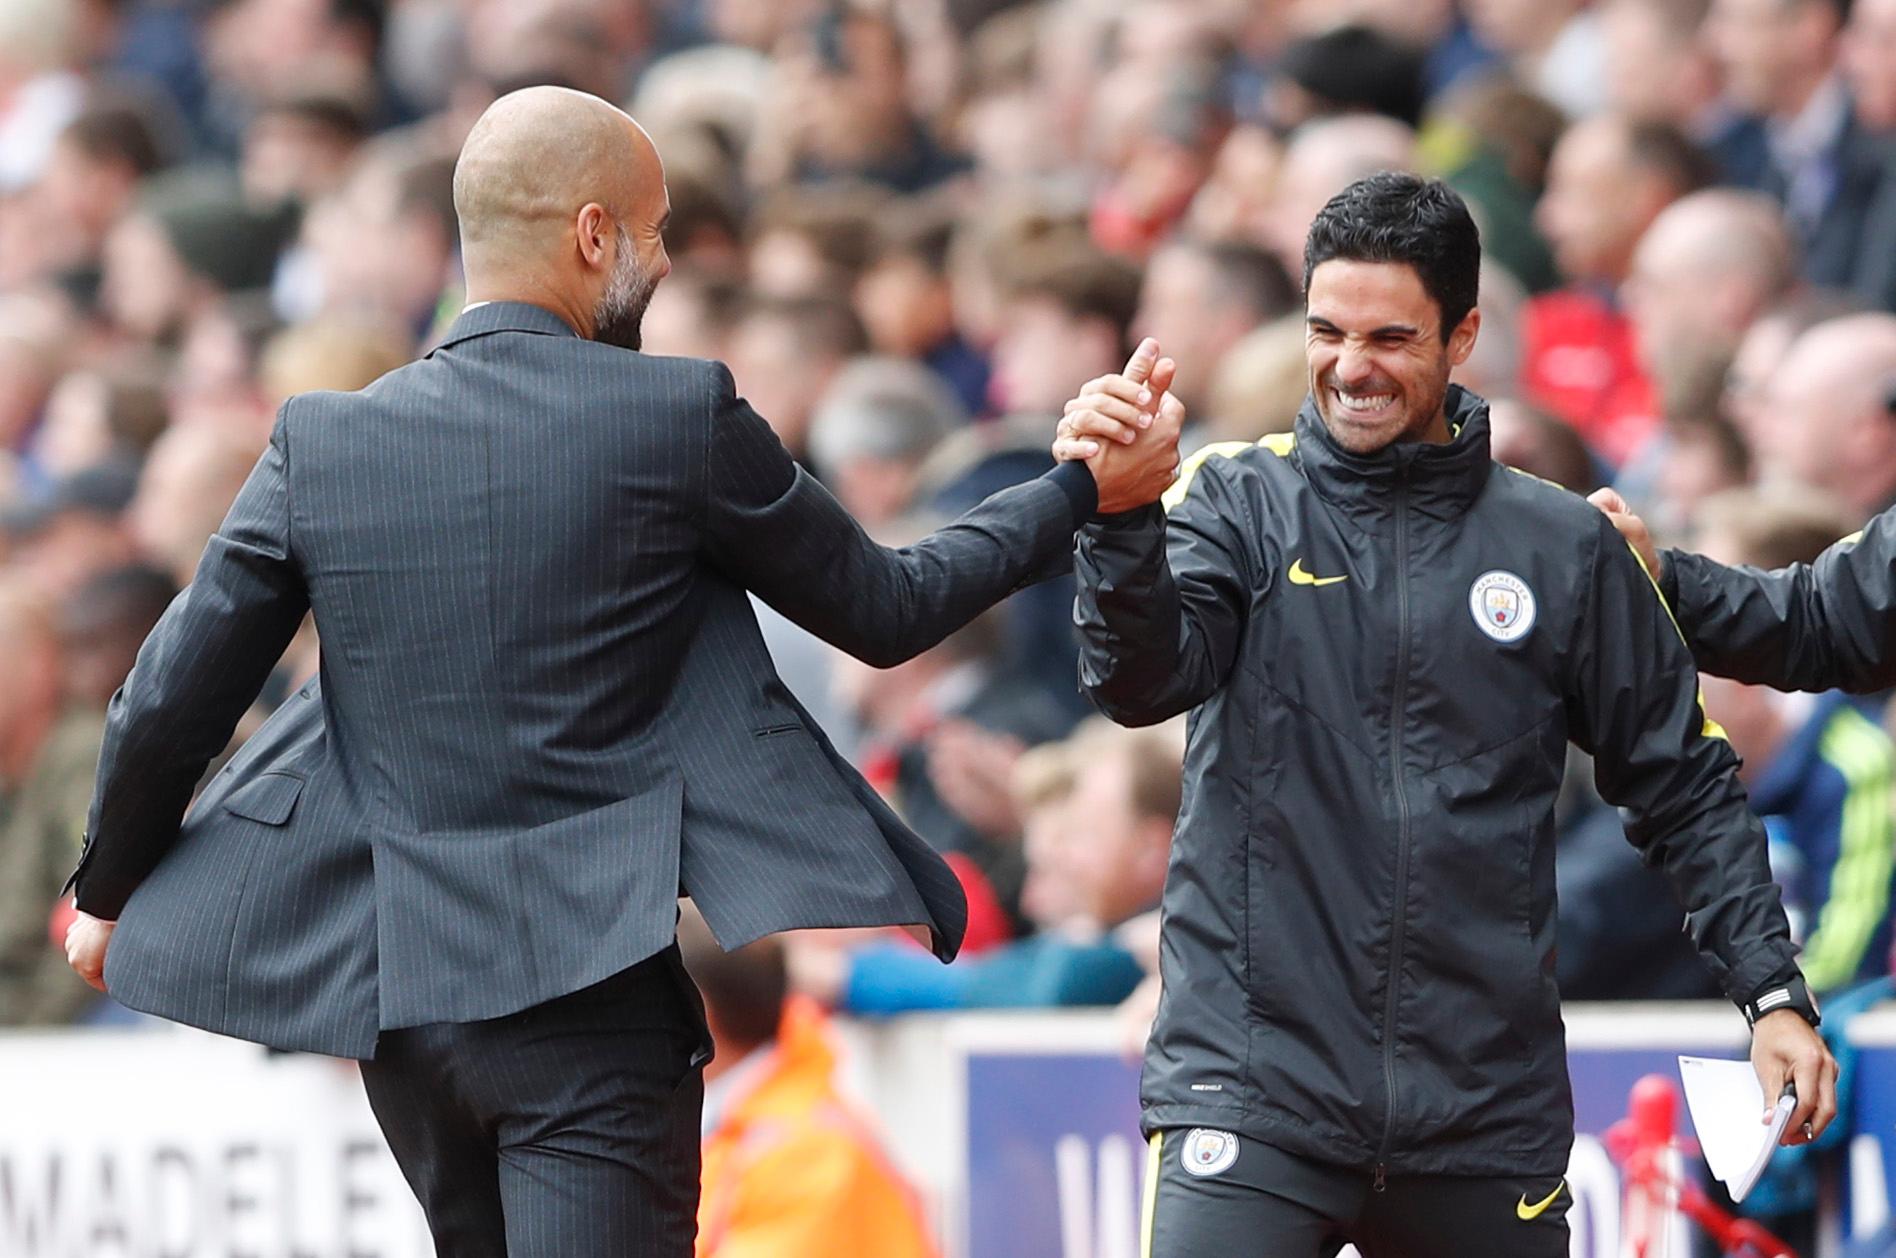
1440	481
504	316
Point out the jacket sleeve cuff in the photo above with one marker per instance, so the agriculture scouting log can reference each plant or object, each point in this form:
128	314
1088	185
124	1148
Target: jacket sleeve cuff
1075	480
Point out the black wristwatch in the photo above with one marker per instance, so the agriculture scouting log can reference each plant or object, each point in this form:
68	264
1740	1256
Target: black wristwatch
1794	995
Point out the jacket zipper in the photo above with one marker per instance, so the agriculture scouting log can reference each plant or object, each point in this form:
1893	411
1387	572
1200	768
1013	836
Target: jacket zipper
1399	926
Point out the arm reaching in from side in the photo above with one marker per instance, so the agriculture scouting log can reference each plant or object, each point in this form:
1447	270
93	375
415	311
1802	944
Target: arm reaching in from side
775	529
1818	626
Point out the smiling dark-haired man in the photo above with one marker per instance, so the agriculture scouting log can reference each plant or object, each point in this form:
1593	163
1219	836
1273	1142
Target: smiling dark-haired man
1388	642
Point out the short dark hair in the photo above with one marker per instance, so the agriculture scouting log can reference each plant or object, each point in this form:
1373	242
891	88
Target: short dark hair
1083	280
1252	277
1399	217
424	184
124	601
116	132
1664	149
822	323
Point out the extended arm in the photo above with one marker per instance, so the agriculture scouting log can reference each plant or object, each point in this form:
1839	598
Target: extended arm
1821	626
774	528
199	670
1162	601
1826	625
779	532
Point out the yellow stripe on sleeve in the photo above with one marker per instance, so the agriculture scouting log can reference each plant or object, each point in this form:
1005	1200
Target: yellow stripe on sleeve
1278	443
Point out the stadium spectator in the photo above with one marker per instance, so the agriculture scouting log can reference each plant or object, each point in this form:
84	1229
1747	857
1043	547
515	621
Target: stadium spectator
186	488
256	48
967	690
92	175
1099	861
75	532
1701	455
1157	133
1539	444
1344	70
328	353
1780	64
1491	141
1258	386
181	252
1816	768
1857	253
1066	316
1324	157
791	1169
47	759
1609	179
101	627
300	146
787	351
874	427
1709	265
814	242
382	247
1660	69
1200	300
906	301
113	413
1831	426
1234	201
1754	365
1555	47
694	312
841	109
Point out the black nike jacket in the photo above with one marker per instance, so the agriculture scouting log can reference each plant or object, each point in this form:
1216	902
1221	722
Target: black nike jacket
1385	658
1818	626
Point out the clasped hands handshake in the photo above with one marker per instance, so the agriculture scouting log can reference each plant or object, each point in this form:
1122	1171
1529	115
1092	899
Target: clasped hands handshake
1125	428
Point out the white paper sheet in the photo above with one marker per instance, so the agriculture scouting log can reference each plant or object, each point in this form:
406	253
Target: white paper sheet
1726	1103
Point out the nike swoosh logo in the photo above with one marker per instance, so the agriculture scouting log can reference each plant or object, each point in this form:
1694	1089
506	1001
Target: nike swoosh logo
1527	1212
1299	577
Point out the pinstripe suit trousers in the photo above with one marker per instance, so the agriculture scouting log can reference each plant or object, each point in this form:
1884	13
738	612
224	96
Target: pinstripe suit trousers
567	1130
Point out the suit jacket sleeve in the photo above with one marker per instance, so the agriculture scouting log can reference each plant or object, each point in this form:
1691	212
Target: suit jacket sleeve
1633	703
1162	602
199	670
777	531
1820	626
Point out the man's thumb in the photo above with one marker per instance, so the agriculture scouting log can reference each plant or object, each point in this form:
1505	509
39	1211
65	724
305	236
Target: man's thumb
1140	365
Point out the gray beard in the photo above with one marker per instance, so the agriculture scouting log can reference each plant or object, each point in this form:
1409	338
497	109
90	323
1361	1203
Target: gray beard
618	317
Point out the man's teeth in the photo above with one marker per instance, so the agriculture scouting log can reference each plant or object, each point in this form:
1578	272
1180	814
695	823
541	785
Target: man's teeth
1366	402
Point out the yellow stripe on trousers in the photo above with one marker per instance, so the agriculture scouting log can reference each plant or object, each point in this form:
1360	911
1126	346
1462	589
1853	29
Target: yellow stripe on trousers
1149	1208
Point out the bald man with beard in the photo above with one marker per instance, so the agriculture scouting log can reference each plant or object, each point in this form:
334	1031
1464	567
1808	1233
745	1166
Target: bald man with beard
545	712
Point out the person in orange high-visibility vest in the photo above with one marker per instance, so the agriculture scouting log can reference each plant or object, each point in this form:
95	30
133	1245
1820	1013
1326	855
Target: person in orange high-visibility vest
790	1169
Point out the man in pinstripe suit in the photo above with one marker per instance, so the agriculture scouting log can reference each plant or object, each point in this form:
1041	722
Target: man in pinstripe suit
545	710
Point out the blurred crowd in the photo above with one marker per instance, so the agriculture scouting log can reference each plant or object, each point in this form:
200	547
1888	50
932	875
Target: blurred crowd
913	229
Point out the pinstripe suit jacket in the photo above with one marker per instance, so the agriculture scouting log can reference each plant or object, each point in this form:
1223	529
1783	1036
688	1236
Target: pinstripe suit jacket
545	708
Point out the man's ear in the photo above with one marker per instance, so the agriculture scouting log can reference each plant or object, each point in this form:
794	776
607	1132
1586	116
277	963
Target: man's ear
592	228
1461	342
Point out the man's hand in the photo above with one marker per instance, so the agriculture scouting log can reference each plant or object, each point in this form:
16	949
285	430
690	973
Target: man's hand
1630	526
86	941
1125	427
972	769
1785	1047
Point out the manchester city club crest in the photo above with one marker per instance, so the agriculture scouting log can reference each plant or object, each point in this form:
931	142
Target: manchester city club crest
1502	605
1208	1152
